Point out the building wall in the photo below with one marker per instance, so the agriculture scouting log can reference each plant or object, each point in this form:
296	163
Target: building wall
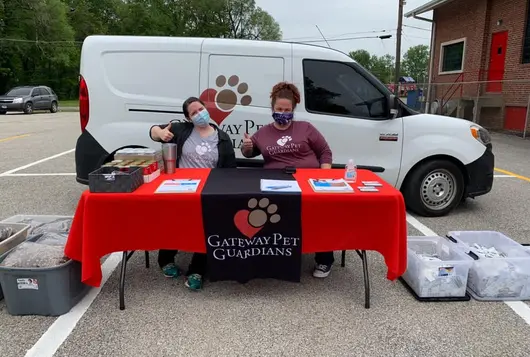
476	20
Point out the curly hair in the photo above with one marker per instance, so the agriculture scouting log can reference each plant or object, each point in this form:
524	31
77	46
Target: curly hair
285	90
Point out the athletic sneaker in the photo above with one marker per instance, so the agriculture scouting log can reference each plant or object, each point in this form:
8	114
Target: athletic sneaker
322	271
194	282
171	271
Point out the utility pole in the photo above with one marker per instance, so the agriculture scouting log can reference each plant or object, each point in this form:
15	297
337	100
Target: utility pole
398	46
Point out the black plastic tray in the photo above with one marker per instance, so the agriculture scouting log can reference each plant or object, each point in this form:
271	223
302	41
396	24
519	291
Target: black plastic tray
102	180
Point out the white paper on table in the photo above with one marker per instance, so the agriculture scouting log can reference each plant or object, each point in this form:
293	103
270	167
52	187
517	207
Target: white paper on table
330	185
279	186
178	186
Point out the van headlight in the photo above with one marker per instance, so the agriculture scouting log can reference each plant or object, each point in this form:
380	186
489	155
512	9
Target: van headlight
480	134
17	100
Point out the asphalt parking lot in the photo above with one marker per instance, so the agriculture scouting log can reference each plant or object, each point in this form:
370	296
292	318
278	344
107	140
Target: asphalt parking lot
262	318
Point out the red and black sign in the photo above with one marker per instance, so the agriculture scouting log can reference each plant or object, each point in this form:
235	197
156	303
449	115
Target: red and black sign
251	234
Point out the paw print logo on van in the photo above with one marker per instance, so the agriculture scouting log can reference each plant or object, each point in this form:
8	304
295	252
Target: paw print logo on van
222	100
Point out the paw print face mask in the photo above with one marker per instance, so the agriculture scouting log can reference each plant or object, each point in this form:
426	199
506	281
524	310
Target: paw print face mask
282	118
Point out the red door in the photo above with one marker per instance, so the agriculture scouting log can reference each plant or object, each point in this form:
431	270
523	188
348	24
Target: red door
499	42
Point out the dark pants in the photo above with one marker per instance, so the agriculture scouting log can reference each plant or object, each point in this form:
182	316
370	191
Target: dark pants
197	266
325	258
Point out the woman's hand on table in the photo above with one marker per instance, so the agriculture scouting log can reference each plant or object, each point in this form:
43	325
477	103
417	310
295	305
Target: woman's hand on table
325	166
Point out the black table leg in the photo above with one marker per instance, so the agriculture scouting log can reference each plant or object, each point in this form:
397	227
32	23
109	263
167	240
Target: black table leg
343	259
147	259
122	280
124	260
364	258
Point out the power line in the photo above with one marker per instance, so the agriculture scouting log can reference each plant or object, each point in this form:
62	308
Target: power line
417	28
423	38
382	37
310	38
39	41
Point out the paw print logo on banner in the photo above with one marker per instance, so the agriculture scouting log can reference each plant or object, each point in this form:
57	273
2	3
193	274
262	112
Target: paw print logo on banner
222	100
203	148
284	140
251	221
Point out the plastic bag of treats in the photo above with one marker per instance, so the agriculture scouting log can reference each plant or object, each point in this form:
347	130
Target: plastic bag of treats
52	238
59	225
5	232
35	255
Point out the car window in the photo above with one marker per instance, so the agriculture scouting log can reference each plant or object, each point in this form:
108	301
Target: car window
36	91
19	92
335	88
44	91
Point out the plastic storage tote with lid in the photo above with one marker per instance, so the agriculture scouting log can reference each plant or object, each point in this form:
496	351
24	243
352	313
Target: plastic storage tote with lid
435	268
502	268
49	291
38	223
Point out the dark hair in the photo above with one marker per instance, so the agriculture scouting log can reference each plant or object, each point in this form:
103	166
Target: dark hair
285	90
187	104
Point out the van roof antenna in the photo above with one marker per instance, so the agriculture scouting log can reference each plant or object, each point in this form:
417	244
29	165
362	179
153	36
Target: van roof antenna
323	36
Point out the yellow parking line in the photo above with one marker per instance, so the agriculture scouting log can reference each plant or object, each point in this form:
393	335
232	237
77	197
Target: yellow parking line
524	178
14	137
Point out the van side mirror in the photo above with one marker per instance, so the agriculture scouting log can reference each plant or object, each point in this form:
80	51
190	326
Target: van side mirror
393	105
392	102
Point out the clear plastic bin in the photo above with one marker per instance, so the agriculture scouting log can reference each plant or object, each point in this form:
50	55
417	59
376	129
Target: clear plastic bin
19	236
496	278
446	277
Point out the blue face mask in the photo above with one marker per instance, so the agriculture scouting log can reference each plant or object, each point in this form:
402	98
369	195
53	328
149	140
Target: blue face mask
201	119
282	118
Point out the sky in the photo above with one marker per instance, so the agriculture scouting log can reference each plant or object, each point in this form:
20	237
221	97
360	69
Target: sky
344	19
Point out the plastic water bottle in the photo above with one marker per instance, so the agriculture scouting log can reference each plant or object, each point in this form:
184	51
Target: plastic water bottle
350	172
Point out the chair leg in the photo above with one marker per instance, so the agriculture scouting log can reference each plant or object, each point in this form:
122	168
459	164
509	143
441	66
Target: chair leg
147	259
343	259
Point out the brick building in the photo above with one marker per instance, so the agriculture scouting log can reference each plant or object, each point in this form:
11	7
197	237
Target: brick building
480	66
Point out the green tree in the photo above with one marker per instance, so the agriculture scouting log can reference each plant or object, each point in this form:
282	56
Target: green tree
40	40
416	63
247	21
382	67
362	57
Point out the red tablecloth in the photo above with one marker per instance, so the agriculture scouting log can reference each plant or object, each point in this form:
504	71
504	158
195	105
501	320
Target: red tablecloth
106	222
363	220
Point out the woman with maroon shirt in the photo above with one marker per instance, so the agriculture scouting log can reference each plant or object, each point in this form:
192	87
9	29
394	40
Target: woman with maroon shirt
286	142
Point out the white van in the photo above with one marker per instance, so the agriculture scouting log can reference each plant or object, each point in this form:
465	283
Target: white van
129	83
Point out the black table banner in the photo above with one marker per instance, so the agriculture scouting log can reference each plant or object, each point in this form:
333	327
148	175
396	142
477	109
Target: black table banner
251	234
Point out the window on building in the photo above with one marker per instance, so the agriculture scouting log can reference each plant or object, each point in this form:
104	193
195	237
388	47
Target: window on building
452	56
526	35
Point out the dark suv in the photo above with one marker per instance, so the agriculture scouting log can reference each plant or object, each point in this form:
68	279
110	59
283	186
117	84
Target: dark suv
29	98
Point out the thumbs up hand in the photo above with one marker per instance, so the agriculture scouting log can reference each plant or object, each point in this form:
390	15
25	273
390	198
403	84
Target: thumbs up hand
166	134
247	142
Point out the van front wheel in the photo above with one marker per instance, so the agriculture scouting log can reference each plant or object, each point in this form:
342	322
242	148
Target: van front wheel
434	188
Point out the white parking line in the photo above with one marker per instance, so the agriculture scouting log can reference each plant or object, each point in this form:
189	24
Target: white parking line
59	331
39	174
503	176
519	307
36	162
